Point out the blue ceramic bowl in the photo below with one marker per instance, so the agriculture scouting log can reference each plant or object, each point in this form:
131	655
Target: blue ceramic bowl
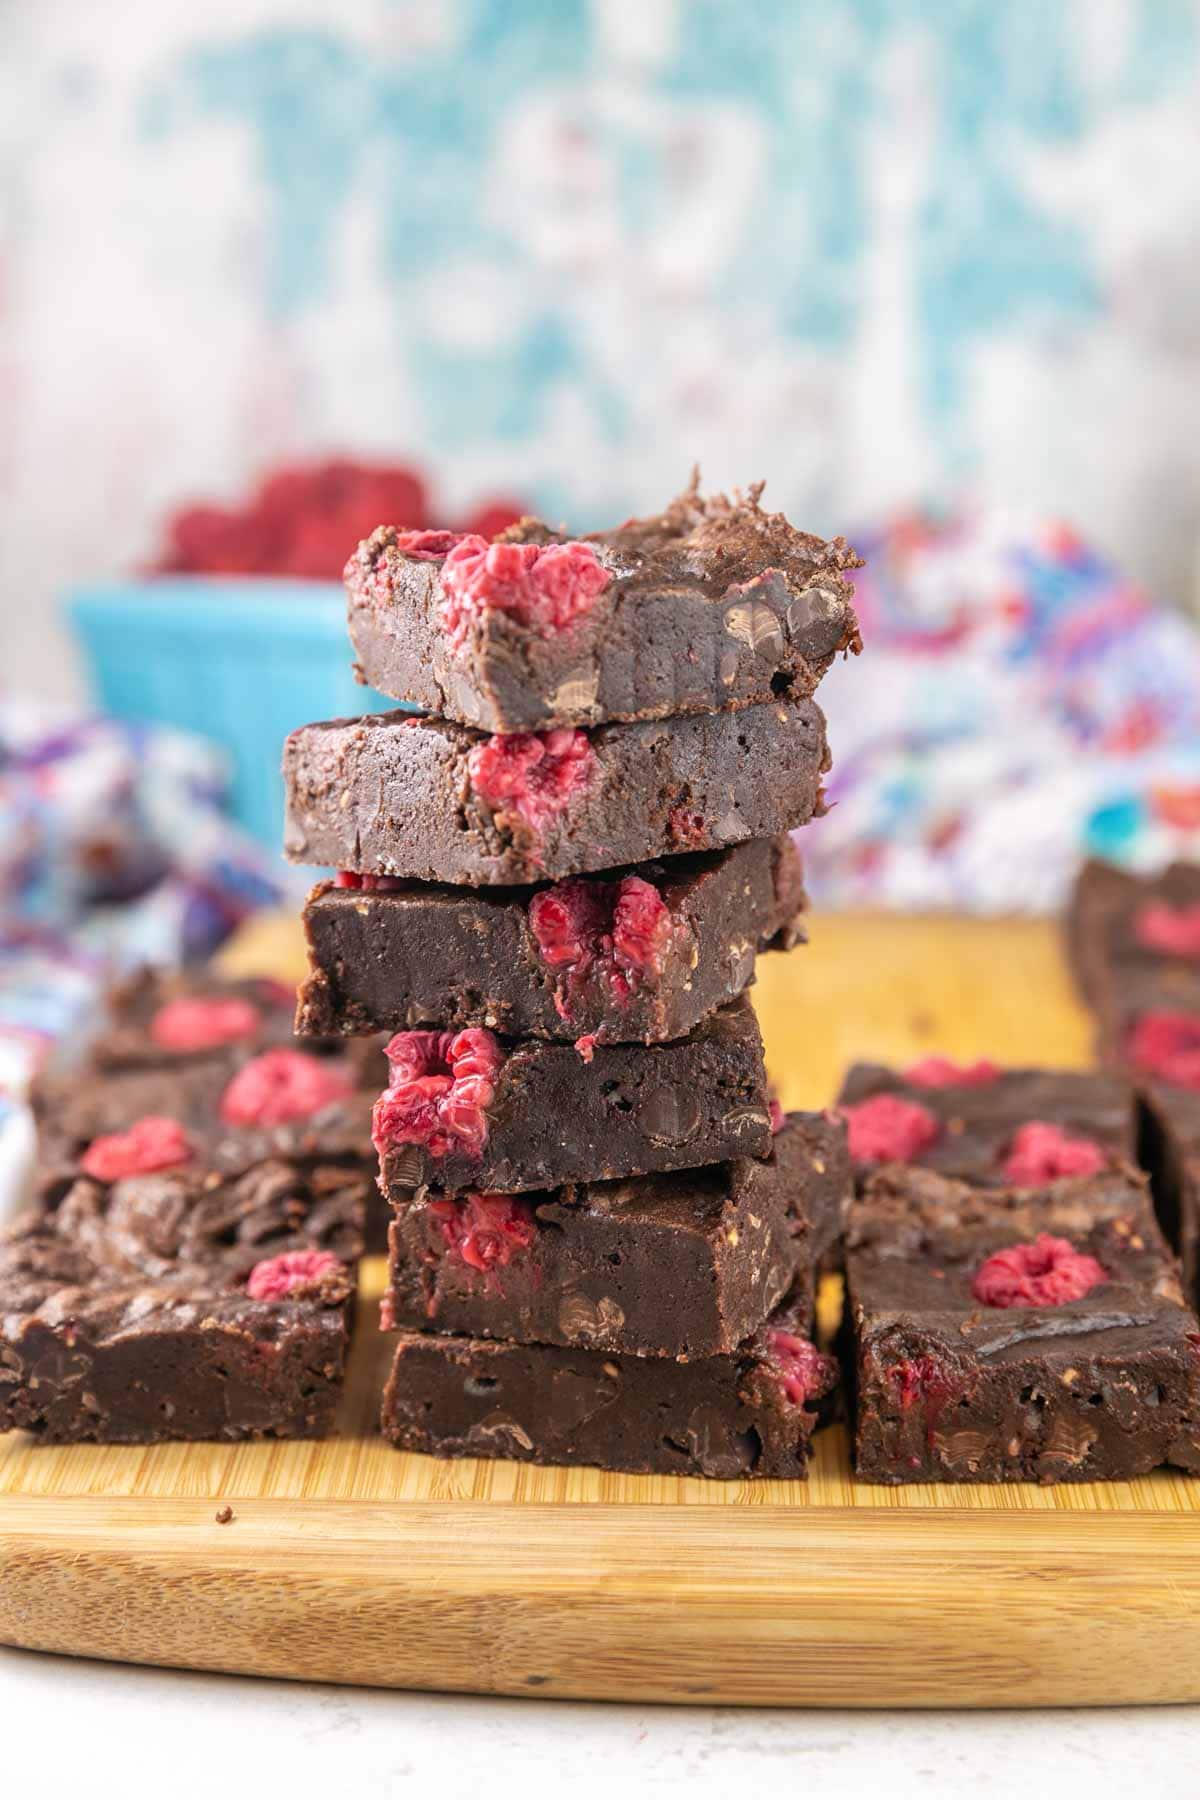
240	661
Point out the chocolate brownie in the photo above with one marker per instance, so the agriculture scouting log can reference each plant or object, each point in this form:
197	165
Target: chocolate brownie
751	1413
1133	942
470	1110
159	1307
684	1265
164	1017
1170	1150
711	604
205	1116
396	794
1018	1335
637	955
993	1127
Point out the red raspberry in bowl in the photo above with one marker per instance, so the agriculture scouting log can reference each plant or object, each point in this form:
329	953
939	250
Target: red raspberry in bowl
618	932
1041	1152
196	1022
886	1128
804	1373
1047	1272
941	1072
1172	930
485	1231
442	1083
532	774
1167	1044
280	1087
292	1272
153	1143
542	586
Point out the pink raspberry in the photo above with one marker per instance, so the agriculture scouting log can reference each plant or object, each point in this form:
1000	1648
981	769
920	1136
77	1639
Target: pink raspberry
1041	1152
442	1084
534	774
427	546
281	1086
777	1116
940	1072
620	931
485	1231
196	1023
291	1272
586	1046
1048	1272
368	884
543	586
804	1373
1167	1044
1173	930
886	1128
151	1144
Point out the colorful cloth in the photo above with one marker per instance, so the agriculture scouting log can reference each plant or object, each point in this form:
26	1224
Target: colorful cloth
114	850
1019	704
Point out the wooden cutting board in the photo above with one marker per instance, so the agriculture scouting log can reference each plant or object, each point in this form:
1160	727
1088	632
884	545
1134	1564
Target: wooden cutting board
345	1561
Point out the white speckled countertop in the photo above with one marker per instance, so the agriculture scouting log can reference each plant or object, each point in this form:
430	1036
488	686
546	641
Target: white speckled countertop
104	1729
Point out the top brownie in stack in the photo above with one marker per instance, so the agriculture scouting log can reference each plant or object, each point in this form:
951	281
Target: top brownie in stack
710	604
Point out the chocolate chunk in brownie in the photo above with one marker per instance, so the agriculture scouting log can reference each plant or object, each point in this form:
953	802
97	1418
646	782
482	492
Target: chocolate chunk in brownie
684	1265
162	1307
993	1127
635	955
396	794
751	1413
470	1110
710	604
1018	1335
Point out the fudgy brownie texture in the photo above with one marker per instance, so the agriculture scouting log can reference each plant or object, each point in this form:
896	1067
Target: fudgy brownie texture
713	603
1133	942
159	1307
751	1413
631	956
396	794
685	1265
992	1127
1018	1335
470	1110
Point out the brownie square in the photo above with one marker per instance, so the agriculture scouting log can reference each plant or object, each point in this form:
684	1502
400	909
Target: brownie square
972	1121
684	1265
428	800
710	604
1133	942
1017	1334
749	1414
471	1110
162	1307
639	955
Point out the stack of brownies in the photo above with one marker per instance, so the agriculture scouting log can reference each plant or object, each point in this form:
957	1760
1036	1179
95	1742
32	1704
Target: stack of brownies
187	1269
554	883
